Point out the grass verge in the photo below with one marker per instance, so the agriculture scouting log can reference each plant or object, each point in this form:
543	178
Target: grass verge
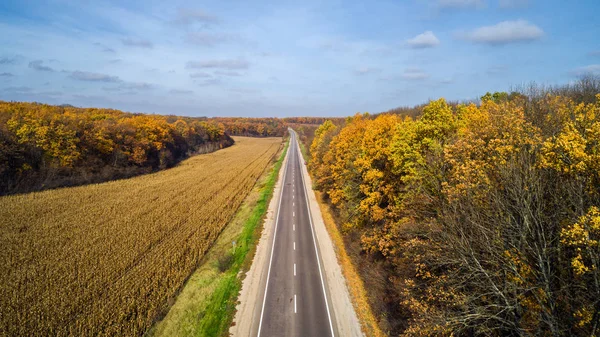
304	151
206	305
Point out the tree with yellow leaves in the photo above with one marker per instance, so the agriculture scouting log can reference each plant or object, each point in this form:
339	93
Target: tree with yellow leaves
485	217
49	146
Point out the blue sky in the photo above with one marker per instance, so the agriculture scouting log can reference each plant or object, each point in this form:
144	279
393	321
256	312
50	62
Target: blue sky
288	58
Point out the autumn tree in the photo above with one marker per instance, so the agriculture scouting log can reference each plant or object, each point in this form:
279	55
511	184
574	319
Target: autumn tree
484	216
49	146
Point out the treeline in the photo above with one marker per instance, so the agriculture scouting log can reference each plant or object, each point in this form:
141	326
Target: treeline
482	219
253	127
311	120
268	127
306	133
305	127
44	146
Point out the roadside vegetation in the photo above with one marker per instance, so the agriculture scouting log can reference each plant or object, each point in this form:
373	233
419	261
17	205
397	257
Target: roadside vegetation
473	219
109	259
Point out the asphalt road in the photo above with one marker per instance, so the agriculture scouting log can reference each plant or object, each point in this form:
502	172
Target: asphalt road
295	300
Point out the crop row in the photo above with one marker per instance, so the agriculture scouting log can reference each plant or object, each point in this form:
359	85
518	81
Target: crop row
106	259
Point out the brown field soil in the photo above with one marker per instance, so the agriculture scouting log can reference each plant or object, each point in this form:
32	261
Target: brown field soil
108	259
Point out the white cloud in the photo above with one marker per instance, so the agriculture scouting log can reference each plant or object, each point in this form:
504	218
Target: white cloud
94	77
111	89
227	73
131	86
414	74
244	90
8	60
218	64
200	75
424	40
505	32
497	70
460	4
18	89
38	65
180	91
366	70
105	48
513	3
137	43
593	69
210	82
207	39
138	86
191	16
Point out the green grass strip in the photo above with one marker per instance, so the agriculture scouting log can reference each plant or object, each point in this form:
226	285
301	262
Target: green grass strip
221	307
303	151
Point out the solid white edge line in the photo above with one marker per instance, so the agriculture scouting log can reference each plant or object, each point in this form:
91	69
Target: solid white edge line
316	251
262	311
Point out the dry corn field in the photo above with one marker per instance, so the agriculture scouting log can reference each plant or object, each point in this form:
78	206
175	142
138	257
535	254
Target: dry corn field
106	259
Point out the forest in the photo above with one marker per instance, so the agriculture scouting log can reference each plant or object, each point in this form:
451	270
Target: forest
44	146
252	127
312	120
473	219
267	126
